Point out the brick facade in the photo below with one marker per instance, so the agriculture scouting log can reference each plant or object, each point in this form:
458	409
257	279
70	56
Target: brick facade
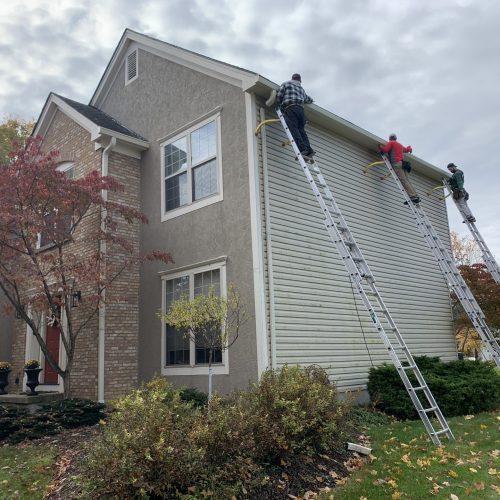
121	345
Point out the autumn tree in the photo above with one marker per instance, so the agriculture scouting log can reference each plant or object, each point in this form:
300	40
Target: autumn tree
210	321
13	131
484	288
38	202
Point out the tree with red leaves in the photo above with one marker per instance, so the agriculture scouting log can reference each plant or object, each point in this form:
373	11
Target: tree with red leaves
487	294
40	203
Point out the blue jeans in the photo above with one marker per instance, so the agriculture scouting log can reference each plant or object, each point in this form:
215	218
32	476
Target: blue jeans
296	121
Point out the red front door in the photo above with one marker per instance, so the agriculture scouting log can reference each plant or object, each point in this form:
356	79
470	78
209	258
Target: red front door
52	340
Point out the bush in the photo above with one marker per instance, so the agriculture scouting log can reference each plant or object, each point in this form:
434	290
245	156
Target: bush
295	410
459	387
145	447
17	424
156	444
195	396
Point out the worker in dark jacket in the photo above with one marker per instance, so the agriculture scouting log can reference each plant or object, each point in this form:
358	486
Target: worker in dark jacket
290	98
460	195
395	152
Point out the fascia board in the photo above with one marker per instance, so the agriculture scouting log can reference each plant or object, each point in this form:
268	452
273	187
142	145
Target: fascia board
330	121
52	104
210	67
141	145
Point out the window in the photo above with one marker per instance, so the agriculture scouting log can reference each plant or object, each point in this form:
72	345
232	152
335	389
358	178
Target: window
182	354
191	169
131	72
44	239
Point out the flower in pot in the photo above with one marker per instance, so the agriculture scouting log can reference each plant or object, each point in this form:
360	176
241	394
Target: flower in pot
4	376
32	370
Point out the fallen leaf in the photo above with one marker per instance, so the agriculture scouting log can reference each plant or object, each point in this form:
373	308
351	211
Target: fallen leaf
396	495
469	417
495	488
453	497
492	472
479	485
392	483
473	470
452	473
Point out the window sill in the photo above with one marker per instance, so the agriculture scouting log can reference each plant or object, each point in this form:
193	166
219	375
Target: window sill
195	370
204	202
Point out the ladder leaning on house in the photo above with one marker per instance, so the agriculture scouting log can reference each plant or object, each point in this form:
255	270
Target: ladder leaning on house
364	283
449	269
489	260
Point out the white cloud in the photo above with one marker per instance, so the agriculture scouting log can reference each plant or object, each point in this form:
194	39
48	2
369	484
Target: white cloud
427	70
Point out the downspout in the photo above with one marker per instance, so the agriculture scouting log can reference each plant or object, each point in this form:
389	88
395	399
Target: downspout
102	305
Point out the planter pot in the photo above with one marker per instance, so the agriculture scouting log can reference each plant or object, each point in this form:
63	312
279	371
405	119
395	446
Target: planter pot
4	380
32	379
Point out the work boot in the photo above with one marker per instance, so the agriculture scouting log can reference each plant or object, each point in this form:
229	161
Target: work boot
415	200
471	219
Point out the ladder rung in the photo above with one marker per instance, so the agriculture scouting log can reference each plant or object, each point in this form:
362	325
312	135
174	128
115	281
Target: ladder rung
409	367
428	410
420	388
444	431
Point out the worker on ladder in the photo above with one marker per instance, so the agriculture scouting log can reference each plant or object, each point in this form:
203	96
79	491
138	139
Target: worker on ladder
460	195
290	99
395	152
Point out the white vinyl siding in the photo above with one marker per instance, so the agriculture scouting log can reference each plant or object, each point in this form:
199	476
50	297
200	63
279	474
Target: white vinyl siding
317	316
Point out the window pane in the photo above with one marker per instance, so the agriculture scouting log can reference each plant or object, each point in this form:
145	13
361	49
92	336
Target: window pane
202	284
175	191
205	180
202	356
177	343
175	156
203	143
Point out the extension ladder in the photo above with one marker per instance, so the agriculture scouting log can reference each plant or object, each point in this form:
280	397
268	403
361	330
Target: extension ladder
489	260
364	282
450	271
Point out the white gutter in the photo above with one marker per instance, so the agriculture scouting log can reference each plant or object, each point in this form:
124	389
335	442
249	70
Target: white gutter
102	305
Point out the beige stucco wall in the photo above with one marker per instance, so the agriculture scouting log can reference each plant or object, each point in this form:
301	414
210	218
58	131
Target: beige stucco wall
164	98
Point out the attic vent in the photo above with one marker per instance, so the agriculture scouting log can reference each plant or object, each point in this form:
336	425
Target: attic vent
131	67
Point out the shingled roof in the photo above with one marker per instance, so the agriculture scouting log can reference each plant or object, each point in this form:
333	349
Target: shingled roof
100	118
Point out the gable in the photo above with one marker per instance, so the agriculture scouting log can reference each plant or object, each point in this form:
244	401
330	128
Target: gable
132	41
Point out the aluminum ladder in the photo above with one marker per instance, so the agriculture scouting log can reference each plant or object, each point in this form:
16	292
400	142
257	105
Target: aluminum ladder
364	283
450	271
489	260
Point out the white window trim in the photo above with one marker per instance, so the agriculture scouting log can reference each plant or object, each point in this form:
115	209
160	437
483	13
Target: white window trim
204	202
34	351
127	81
192	369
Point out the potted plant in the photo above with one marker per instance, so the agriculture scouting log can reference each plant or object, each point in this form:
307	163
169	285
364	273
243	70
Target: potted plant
4	376
32	370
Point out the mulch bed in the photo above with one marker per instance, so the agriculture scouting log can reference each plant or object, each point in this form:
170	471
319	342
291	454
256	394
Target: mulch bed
300	478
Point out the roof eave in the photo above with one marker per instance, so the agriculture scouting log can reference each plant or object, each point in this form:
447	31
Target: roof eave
262	87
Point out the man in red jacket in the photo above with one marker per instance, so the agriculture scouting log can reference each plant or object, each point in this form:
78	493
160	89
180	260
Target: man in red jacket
395	152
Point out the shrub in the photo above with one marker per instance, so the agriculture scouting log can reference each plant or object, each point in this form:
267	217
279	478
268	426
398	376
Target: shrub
157	445
17	424
295	410
145	447
459	387
195	396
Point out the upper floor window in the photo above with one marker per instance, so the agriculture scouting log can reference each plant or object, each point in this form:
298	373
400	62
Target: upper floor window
52	222
191	169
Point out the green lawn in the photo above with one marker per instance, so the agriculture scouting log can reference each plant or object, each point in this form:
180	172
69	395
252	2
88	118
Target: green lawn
406	465
26	471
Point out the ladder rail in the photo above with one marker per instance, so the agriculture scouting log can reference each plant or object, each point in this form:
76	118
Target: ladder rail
362	278
487	256
450	271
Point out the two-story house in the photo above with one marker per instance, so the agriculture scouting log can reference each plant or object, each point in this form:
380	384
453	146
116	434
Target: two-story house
177	129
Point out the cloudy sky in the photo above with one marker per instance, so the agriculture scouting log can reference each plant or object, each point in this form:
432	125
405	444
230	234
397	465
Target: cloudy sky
428	70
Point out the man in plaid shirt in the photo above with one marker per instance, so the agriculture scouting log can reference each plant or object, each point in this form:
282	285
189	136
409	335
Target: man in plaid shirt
290	99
